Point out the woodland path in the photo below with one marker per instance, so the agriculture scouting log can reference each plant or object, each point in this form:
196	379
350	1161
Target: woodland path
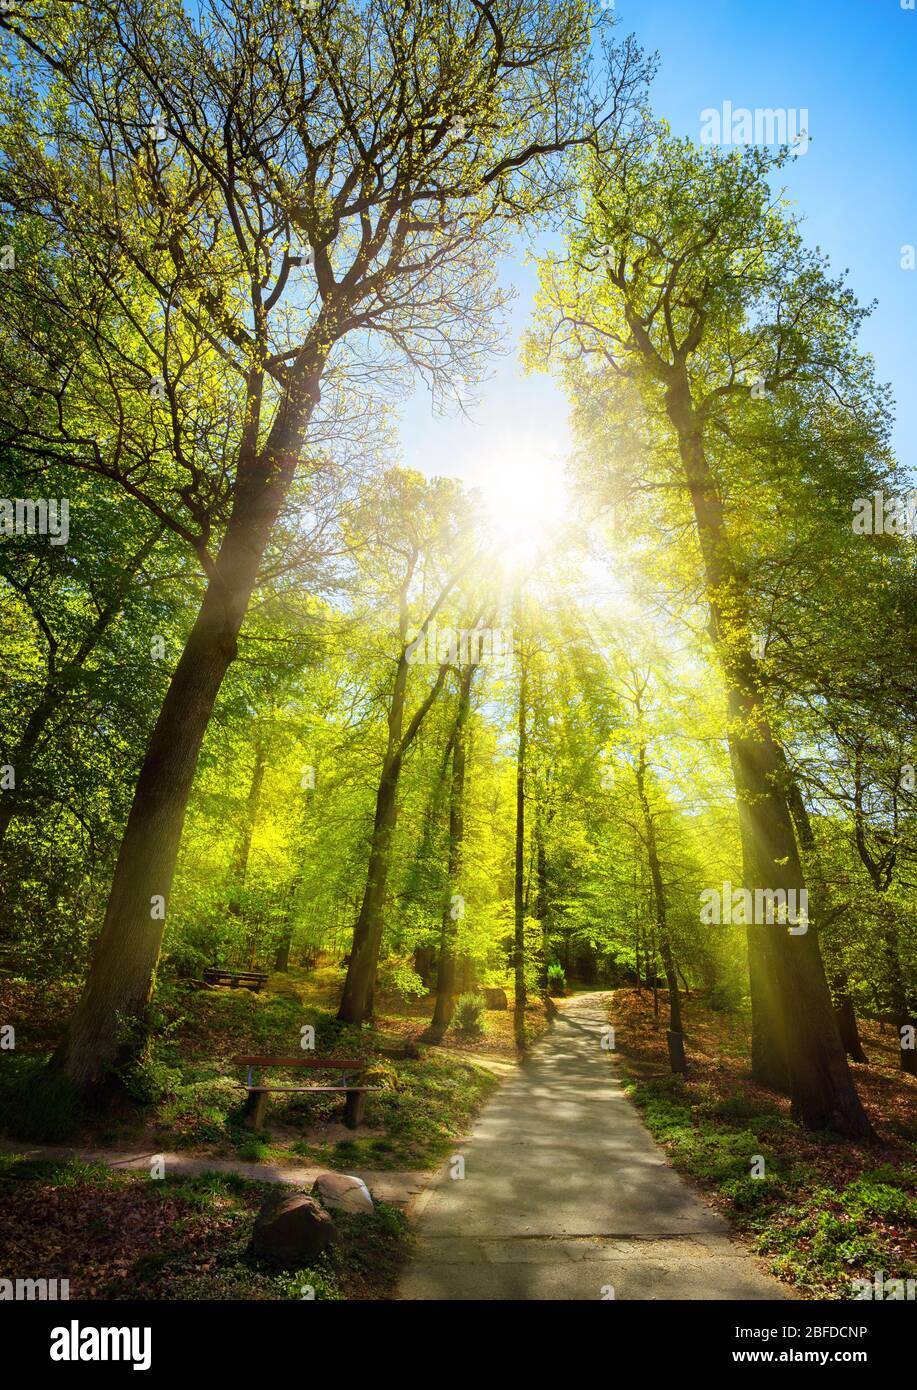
401	1188
566	1195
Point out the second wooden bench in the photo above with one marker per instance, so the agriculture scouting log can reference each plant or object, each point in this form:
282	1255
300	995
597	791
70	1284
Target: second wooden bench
235	979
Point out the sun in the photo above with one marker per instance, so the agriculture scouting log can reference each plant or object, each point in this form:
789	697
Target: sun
525	497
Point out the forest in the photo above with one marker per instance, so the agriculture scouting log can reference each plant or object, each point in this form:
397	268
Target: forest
425	764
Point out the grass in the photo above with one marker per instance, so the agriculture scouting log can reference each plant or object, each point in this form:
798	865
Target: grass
431	1105
821	1210
123	1235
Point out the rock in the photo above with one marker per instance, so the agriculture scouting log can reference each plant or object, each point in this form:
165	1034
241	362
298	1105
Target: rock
408	1051
291	1230
495	998
343	1193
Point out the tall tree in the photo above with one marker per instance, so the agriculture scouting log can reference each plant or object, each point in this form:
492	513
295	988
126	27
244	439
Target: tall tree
684	280
445	971
209	156
422	530
519	850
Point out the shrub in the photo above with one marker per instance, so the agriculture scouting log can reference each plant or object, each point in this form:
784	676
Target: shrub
749	1194
382	1074
878	1200
468	1017
148	1079
37	1104
309	1283
726	997
738	1107
253	1150
398	976
557	980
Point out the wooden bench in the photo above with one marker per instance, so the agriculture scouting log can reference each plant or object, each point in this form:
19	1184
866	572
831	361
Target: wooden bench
235	979
256	1105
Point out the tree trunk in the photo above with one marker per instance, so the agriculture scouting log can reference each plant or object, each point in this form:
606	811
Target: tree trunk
284	945
847	1021
903	1016
795	1034
519	998
843	1005
637	927
357	997
881	874
282	954
659	898
541	896
445	981
109	1023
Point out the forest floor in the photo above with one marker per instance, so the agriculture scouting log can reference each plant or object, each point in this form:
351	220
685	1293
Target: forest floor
826	1211
76	1191
188	1096
115	1234
561	1193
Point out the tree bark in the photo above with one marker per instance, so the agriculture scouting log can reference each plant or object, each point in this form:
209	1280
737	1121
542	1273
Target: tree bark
445	979
519	993
109	1023
659	899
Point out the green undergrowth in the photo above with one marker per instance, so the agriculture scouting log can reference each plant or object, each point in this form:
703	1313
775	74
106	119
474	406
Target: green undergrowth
186	1094
819	1226
125	1235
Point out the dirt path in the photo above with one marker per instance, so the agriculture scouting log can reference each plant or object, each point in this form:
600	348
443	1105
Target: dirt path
399	1188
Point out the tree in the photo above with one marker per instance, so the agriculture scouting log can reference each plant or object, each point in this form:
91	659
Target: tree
684	280
422	529
519	856
445	973
394	150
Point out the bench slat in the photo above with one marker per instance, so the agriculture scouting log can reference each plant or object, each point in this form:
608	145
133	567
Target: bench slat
332	1063
231	970
307	1090
214	976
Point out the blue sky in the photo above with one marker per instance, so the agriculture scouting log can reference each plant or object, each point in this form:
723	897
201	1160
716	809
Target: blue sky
853	65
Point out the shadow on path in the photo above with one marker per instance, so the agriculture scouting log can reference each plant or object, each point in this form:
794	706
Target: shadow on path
566	1195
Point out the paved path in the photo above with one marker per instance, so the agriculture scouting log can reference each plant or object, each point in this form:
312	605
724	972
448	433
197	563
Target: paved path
565	1195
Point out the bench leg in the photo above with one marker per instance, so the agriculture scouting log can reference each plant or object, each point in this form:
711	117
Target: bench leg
354	1107
255	1110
